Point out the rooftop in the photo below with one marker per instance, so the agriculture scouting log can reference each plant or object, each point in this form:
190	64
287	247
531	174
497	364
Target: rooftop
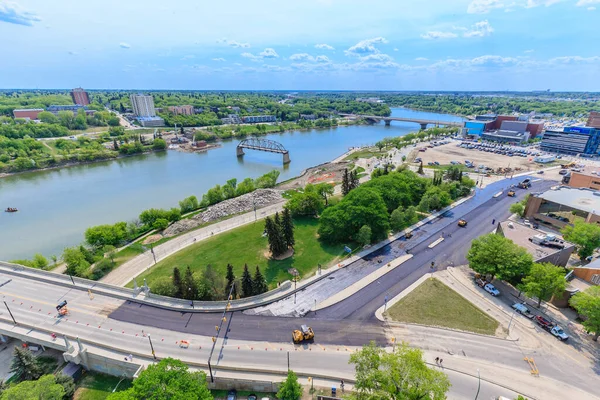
593	265
29	109
578	198
520	235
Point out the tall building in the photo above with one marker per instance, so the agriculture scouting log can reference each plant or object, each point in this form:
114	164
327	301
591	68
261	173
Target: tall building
573	140
143	105
594	120
183	110
80	97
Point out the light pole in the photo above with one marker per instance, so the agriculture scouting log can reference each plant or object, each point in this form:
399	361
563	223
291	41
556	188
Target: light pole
13	318
511	319
151	347
121	380
215	338
478	383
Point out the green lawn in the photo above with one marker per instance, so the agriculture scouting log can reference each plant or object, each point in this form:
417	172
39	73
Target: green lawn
364	154
246	245
96	386
435	304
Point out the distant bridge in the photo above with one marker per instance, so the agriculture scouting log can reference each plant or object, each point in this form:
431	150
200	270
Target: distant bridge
388	120
263	145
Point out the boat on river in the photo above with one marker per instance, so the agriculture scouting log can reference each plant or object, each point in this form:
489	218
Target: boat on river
11	209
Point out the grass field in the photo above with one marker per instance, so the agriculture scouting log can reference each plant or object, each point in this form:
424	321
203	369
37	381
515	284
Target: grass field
435	304
95	386
364	154
246	245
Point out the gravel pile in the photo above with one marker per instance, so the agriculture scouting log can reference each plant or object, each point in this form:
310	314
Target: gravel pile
260	197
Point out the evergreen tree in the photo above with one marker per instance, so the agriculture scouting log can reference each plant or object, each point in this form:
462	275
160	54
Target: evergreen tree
420	170
271	234
181	132
115	144
190	287
345	182
247	283
177	283
354	180
260	283
121	107
287	226
24	365
278	238
230	281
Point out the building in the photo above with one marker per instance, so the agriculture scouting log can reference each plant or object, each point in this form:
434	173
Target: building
310	117
572	140
594	120
80	97
181	110
231	119
589	180
563	205
143	105
369	100
27	113
546	158
151	121
589	273
73	108
504	136
259	118
502	128
542	246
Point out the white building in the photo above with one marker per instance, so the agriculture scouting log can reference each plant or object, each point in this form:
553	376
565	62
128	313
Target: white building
143	105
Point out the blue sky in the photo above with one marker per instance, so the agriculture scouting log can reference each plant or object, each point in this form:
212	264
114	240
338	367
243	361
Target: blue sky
308	44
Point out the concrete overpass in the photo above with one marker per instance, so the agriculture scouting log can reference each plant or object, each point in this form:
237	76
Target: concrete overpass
423	122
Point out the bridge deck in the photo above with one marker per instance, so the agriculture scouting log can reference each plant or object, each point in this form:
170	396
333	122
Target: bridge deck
244	146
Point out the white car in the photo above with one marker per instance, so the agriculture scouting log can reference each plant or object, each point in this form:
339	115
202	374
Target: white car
491	289
523	310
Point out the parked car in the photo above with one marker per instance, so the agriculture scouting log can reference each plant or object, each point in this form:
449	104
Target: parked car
418	159
551	327
491	289
232	394
252	397
523	310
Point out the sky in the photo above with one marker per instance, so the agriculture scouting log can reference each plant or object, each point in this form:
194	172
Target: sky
515	45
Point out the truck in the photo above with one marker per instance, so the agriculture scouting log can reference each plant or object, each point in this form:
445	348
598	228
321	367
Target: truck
525	183
303	334
551	327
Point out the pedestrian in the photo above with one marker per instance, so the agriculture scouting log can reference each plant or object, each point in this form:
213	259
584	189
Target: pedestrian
342	385
441	361
493	221
437	360
143	334
131	357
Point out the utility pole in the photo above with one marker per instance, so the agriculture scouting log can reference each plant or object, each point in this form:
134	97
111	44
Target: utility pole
218	328
152	251
478	383
151	347
13	318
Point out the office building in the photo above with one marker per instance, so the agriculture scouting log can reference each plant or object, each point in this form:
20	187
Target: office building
231	119
589	180
573	141
151	121
594	120
563	205
27	113
143	105
259	118
73	108
181	110
80	97
506	136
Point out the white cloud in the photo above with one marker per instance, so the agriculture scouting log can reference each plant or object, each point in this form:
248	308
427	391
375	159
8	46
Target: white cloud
574	60
12	13
301	57
124	45
377	57
269	53
484	6
324	46
480	29
528	51
188	57
395	49
366	46
583	3
219	59
252	57
591	8
234	43
537	3
421	59
438	35
322	59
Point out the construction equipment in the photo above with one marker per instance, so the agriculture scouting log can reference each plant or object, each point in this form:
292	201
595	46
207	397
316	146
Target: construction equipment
62	308
462	223
304	333
511	193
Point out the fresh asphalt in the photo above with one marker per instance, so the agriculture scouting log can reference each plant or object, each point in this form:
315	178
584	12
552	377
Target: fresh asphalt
352	321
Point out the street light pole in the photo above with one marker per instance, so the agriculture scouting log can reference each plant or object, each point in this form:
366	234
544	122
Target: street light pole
151	347
511	319
478	383
215	338
13	318
121	380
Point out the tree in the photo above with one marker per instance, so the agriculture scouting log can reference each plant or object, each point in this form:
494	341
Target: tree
247	282
364	235
275	236
188	204
230	281
24	365
586	236
159	144
287	227
45	388
177	283
345	182
495	255
324	189
401	219
39	261
259	283
399	375
229	188
115	144
160	224
246	186
290	389
102	235
190	287
543	281
587	304
354	182
116	131
517	208
47	117
67	383
307	203
420	170
76	263
213	284
169	379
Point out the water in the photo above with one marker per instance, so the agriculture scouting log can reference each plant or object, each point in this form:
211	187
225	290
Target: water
56	206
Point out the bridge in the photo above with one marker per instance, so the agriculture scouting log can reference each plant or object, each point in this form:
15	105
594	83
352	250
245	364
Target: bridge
388	120
263	145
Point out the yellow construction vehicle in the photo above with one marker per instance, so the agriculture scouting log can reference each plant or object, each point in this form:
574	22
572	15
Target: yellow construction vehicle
462	223
511	193
62	308
304	333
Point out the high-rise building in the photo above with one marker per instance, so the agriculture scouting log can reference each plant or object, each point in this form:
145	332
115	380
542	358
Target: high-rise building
80	97
143	105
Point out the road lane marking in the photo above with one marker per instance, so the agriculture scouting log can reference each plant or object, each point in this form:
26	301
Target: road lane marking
96	314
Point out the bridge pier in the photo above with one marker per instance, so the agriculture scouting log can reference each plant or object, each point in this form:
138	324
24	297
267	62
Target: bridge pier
286	157
423	127
388	122
239	151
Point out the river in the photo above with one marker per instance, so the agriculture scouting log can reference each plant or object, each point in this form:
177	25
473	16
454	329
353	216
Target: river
56	206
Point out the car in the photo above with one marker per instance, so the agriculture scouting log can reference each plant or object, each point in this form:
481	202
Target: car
436	163
522	309
408	235
491	289
418	159
462	223
252	397
232	394
540	172
563	172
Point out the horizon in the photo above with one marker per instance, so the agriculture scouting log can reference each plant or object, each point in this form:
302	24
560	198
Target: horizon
427	46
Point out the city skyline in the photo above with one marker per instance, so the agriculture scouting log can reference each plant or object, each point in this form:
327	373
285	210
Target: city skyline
310	45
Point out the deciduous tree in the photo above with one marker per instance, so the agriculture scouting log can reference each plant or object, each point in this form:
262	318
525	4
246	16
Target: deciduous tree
364	235
290	389
585	235
543	281
587	304
324	190
495	255
44	388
